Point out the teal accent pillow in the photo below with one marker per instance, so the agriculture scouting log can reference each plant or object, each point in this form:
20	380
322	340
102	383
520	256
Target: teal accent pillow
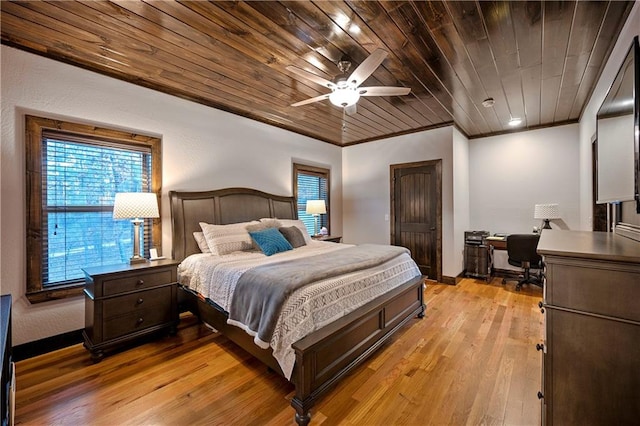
270	241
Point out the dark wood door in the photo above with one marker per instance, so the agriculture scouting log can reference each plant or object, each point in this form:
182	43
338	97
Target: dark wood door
416	209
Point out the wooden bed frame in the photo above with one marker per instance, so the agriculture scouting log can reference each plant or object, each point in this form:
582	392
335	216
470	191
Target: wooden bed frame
323	357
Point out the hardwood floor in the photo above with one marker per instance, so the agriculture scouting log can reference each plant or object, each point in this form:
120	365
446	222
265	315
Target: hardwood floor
471	360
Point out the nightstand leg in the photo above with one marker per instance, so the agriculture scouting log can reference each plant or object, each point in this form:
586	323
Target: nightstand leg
97	356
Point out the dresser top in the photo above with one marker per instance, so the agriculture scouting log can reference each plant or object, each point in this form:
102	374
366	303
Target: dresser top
591	245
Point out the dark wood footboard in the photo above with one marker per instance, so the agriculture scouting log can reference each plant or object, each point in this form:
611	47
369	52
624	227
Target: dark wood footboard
330	353
324	357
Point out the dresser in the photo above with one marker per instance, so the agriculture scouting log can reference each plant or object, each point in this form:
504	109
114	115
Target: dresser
126	302
591	348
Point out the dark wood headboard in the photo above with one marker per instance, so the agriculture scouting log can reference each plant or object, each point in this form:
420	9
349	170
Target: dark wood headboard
220	207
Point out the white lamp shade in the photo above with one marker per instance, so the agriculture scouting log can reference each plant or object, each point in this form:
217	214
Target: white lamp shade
546	211
132	205
316	207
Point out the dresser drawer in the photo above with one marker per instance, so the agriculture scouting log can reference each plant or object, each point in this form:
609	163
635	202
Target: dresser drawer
586	287
157	298
136	282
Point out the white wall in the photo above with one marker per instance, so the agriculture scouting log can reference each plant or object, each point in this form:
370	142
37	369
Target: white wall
203	148
588	119
461	196
511	173
366	188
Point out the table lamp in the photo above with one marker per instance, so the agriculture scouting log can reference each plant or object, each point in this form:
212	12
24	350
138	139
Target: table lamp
316	208
136	206
546	212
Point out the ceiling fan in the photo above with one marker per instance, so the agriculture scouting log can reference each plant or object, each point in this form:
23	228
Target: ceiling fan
345	92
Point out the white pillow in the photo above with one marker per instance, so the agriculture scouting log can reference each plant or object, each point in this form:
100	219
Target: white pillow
202	242
225	239
297	223
270	222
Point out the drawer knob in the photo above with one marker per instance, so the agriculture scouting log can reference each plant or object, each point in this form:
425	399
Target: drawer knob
139	301
539	347
140	282
140	321
540	395
540	305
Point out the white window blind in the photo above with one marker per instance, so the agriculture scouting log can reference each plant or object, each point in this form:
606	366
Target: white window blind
80	178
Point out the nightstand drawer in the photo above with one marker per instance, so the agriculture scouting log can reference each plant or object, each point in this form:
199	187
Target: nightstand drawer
135	321
157	298
136	282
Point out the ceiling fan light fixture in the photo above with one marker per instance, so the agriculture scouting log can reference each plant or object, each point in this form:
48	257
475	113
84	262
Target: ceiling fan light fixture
488	103
344	96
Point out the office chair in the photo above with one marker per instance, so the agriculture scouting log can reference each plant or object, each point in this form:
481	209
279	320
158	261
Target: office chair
521	249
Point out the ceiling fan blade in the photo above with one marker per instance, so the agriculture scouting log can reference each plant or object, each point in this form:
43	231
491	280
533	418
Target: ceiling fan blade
310	76
367	67
351	109
312	100
383	91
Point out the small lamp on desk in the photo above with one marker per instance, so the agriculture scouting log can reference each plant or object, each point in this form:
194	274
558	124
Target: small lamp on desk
136	206
316	208
546	212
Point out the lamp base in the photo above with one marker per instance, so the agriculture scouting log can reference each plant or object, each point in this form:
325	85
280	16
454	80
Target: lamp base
315	223
546	224
137	259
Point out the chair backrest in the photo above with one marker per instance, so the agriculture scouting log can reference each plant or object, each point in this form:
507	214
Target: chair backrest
522	248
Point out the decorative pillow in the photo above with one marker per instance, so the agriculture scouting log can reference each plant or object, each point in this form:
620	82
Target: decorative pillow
202	242
298	224
293	235
258	226
270	241
225	239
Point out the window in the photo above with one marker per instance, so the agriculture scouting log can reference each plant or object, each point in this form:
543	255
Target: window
311	183
73	174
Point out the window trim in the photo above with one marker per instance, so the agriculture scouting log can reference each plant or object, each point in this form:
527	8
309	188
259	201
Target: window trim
314	170
35	126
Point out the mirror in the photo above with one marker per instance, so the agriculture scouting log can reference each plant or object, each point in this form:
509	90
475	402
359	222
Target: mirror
617	132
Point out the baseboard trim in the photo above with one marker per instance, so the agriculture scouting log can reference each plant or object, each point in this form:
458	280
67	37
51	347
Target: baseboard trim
46	345
451	280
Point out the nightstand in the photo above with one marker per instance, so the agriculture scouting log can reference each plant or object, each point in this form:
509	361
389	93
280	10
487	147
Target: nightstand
330	238
125	302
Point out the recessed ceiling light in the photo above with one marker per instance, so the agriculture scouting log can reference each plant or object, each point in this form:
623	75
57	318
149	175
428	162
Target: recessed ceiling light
488	103
515	121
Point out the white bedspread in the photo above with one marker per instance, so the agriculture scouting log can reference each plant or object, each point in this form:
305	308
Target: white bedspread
308	308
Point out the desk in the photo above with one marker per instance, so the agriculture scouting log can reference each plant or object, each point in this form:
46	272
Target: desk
499	243
499	263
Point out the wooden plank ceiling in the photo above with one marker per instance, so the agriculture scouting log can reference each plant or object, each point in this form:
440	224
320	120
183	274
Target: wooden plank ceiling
538	60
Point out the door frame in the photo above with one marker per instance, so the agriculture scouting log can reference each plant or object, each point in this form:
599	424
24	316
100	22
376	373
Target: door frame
438	168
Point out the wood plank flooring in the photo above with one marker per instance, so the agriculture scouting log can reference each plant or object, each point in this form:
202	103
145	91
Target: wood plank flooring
471	360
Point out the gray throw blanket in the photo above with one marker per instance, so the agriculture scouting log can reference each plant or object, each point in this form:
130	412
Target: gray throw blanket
261	291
